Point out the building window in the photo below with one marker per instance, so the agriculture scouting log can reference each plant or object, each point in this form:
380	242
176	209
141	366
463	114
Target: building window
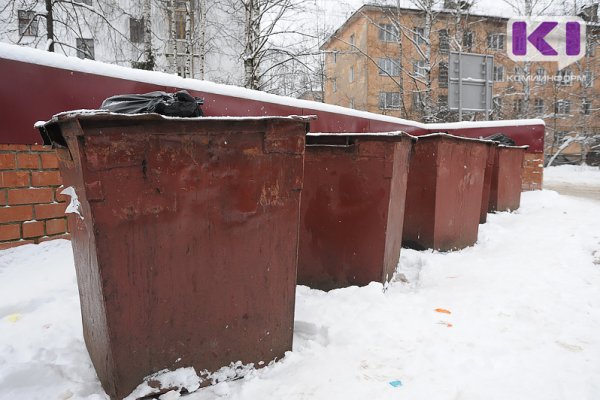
539	106
496	41
388	33
444	41
540	76
417	101
588	78
518	106
334	55
443	101
420	69
389	100
419	35
352	40
351	103
560	135
136	30
28	25
586	107
563	107
351	77
468	40
443	77
334	85
85	48
498	73
565	77
180	19
387	66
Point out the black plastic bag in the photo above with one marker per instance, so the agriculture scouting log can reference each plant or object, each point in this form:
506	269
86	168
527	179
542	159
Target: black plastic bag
179	104
502	139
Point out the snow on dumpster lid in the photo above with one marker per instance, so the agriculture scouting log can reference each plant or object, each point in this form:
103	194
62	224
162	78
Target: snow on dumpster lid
383	134
103	114
449	136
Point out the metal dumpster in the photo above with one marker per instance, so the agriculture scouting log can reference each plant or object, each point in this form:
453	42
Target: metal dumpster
444	195
187	243
352	208
505	191
487	184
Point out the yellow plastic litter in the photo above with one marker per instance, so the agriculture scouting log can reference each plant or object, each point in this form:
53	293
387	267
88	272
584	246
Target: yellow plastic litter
443	311
13	317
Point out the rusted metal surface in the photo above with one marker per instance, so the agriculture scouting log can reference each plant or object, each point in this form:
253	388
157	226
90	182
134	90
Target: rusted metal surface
352	209
186	253
505	192
487	184
445	186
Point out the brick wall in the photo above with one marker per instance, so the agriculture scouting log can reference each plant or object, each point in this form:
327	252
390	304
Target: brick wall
31	208
533	171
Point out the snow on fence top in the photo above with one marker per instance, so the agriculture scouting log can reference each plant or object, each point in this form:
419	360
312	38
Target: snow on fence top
40	57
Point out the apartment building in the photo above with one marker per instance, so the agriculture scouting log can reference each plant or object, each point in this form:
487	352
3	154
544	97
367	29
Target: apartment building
394	61
185	36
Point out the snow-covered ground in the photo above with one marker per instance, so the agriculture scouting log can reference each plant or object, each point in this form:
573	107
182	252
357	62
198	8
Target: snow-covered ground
574	180
574	174
518	317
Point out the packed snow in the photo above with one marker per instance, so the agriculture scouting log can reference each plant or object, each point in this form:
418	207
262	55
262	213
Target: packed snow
516	316
573	174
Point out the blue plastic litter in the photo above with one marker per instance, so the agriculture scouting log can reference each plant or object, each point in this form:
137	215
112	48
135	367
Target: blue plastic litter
396	383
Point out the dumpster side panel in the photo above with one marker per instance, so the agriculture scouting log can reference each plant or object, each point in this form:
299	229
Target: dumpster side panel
508	179
459	193
343	216
196	241
89	278
419	213
487	184
395	222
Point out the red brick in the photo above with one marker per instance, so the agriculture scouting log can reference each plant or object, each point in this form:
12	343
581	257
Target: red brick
55	226
41	147
49	160
46	211
3	197
47	238
10	232
8	161
60	198
28	160
8	245
19	147
33	229
14	178
45	178
30	196
17	213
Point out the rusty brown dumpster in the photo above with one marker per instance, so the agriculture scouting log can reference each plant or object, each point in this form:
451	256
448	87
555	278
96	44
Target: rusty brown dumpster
444	195
186	247
352	208
487	184
505	191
